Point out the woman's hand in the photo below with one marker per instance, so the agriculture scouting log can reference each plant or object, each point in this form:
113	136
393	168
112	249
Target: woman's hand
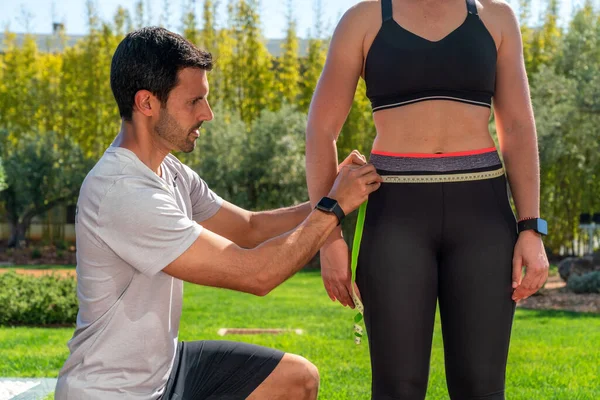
336	273
529	252
354	158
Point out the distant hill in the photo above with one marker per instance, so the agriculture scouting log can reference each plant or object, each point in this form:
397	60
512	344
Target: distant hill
51	43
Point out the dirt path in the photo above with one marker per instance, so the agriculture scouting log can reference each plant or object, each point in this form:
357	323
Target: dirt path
554	296
40	272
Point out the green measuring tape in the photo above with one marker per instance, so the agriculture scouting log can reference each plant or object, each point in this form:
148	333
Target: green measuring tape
358	330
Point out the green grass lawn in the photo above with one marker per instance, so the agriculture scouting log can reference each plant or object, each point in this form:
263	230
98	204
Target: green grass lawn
554	355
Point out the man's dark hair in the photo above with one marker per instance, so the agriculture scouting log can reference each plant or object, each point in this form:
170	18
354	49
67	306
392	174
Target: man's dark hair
149	59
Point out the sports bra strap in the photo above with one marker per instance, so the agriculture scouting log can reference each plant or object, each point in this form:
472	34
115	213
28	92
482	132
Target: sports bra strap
386	10
472	7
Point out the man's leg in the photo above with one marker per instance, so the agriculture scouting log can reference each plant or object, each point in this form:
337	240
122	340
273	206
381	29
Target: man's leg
218	369
294	378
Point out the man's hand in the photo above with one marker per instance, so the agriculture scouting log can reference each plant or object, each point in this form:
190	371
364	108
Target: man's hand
353	186
529	252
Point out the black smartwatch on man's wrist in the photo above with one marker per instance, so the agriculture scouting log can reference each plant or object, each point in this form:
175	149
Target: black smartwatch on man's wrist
329	205
538	225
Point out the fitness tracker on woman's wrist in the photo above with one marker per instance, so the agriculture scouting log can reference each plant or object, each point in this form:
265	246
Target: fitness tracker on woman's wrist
536	224
329	205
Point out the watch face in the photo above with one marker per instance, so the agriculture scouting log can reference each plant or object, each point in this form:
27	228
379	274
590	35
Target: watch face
327	203
542	226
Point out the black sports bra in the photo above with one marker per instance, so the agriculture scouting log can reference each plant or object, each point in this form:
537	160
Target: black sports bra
403	68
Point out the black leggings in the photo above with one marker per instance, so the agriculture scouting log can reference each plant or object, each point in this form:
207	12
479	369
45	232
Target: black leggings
441	231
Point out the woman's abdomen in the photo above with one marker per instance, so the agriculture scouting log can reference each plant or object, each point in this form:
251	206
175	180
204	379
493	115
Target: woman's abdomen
437	126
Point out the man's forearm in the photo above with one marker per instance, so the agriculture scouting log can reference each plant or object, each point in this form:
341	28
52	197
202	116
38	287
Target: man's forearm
521	159
288	253
268	224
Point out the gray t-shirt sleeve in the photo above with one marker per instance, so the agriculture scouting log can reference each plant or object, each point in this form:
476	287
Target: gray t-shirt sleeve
146	228
205	202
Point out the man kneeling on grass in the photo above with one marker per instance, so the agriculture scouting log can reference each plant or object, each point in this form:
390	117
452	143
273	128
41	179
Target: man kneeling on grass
139	237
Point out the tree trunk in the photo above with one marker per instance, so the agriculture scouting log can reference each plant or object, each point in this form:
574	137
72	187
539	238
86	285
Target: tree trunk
17	234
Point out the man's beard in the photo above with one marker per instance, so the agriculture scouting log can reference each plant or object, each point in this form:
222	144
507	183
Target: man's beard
169	130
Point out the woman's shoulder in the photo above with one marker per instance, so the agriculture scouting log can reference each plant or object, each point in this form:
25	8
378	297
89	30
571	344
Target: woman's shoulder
360	21
363	13
499	18
498	10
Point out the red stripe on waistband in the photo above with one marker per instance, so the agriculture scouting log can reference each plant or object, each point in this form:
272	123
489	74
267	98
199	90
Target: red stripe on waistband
429	155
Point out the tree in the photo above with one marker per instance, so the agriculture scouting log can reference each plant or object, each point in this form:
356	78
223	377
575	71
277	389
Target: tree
18	98
313	63
250	67
312	67
190	22
545	45
269	173
140	19
122	22
273	170
289	69
3	184
91	114
209	30
42	172
566	100
527	36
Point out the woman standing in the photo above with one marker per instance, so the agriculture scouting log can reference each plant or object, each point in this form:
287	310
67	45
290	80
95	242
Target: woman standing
440	228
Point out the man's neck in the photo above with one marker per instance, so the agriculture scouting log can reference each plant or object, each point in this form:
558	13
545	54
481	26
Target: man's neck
143	143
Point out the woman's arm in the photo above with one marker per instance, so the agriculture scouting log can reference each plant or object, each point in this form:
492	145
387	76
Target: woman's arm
329	108
518	144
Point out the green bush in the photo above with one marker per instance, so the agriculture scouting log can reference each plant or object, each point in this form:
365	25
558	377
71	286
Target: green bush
43	300
36	253
586	283
61	244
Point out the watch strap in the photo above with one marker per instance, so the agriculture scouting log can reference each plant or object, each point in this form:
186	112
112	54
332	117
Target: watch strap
333	207
538	225
339	213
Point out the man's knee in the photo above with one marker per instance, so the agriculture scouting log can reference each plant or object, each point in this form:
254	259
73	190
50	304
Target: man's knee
295	378
312	378
304	377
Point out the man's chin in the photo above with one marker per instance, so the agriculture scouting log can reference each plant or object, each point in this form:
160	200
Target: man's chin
189	147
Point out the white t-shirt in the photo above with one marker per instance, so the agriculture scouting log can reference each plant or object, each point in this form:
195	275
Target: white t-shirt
130	224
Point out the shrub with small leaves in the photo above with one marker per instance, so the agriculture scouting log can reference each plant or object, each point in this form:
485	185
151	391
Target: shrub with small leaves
37	300
36	253
586	283
61	244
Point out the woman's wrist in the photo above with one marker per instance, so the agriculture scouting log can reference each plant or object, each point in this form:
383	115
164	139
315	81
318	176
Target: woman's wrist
526	218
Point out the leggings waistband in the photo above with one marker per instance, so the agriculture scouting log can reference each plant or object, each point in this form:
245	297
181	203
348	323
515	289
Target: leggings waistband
446	167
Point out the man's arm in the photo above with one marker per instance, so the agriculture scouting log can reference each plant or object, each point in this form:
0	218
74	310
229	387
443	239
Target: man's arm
249	229
216	261
213	260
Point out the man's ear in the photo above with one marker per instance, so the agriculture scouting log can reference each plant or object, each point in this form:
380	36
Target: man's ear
143	102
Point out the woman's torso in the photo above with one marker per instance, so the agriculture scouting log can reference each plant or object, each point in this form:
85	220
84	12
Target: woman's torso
434	26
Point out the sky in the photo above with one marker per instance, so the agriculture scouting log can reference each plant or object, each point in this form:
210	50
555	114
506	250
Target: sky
41	13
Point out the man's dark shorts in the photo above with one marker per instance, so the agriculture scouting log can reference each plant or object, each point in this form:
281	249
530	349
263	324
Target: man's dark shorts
210	370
